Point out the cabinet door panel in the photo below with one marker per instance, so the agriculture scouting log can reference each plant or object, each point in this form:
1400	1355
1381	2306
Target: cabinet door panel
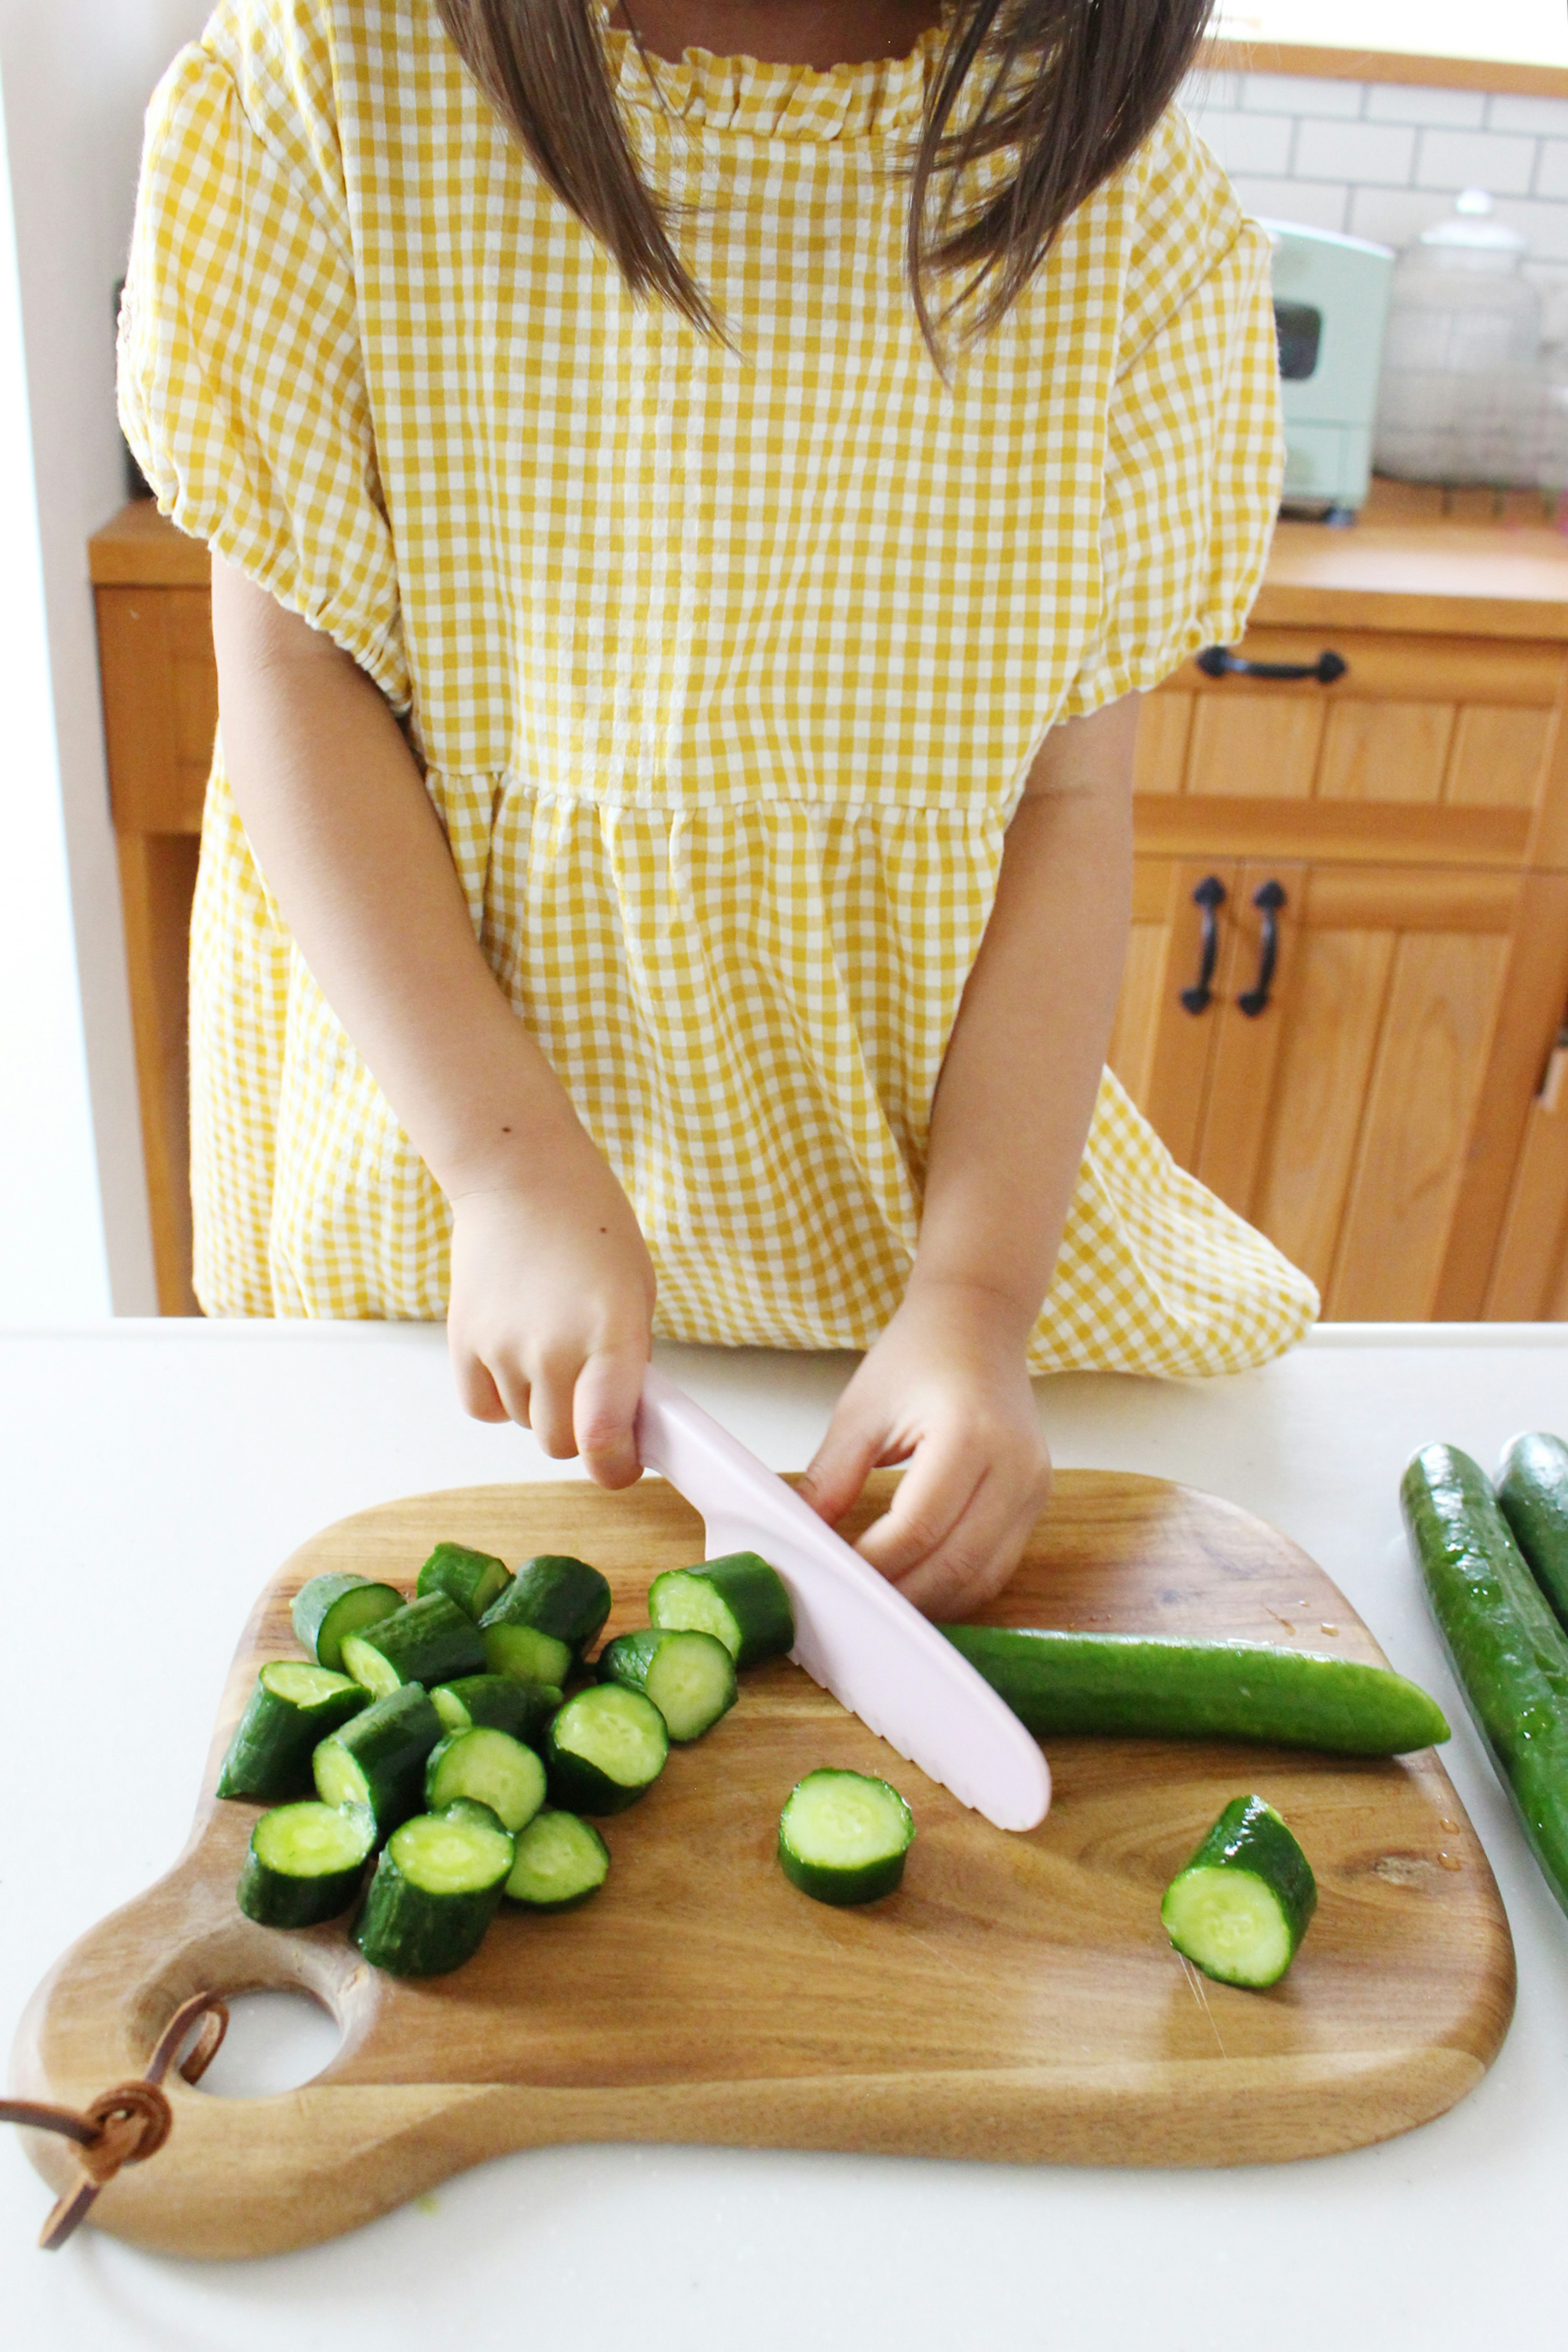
1498	757
1159	763
1242	1066
1159	1050
1385	750
1441	1005
1256	744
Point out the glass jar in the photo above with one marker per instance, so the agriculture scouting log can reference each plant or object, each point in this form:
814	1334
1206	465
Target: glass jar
1459	398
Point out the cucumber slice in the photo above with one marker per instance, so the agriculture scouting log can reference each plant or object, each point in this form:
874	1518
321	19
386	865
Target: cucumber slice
1238	1909
844	1837
560	1862
1533	1490
1508	1651
738	1598
606	1749
305	1864
490	1767
690	1677
500	1703
289	1710
430	1640
474	1579
377	1759
330	1607
1153	1687
436	1889
527	1655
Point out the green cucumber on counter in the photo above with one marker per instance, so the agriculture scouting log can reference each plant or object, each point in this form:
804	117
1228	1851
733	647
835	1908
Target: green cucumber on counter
498	1703
474	1579
740	1599
1154	1687
606	1749
553	1609
328	1608
689	1677
560	1862
492	1768
1508	1651
844	1837
1239	1908
436	1888
290	1711
1533	1492
377	1759
305	1864
428	1641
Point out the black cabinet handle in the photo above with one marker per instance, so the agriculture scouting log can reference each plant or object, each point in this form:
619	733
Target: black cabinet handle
1218	661
1268	902
1210	896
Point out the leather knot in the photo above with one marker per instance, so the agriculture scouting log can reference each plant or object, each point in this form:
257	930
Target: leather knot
133	2120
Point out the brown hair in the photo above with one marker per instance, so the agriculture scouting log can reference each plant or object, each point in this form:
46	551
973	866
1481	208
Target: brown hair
1075	85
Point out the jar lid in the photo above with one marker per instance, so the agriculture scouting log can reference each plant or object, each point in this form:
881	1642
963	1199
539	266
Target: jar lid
1471	238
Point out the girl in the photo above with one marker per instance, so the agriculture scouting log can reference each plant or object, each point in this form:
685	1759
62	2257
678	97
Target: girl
666	863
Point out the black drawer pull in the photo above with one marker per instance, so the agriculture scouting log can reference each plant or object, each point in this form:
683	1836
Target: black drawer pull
1268	902
1218	661
1210	896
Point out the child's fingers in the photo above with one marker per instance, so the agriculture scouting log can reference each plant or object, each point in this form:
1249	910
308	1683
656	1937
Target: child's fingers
837	1471
934	1495
604	1411
978	1555
477	1392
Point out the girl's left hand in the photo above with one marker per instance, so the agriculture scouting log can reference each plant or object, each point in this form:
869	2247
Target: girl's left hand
947	1389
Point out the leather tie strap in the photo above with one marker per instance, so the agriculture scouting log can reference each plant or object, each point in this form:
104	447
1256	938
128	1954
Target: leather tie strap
127	2125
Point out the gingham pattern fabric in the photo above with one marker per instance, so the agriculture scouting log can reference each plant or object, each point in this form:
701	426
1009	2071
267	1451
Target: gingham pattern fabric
726	667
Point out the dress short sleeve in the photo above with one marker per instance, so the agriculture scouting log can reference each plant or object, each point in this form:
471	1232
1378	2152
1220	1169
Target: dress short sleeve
1195	445
242	387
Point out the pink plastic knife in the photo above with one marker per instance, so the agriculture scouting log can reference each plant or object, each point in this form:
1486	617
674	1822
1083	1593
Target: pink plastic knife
854	1633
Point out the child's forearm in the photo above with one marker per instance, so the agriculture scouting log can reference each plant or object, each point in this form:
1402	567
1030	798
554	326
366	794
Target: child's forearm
1018	1085
337	815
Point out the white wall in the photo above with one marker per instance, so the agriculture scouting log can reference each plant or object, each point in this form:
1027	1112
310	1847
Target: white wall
75	77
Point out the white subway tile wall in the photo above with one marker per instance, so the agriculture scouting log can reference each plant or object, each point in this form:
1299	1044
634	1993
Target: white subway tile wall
1385	161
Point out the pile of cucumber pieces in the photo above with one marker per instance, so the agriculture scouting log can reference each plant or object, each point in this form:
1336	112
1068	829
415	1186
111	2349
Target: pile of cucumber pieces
440	1735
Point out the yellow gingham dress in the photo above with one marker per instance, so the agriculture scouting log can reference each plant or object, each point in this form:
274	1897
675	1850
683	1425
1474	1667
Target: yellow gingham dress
724	670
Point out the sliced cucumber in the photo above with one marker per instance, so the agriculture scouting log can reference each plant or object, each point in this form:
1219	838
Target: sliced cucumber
738	1598
548	1616
330	1607
1153	1687
1533	1490
690	1677
499	1702
436	1889
430	1640
844	1837
377	1759
1239	1908
606	1749
474	1579
305	1864
289	1710
560	1863
527	1655
493	1768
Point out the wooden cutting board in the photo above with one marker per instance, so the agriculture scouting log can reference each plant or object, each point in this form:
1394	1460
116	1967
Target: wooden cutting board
1016	1999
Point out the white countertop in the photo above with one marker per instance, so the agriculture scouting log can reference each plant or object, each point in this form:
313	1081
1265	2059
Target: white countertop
153	1477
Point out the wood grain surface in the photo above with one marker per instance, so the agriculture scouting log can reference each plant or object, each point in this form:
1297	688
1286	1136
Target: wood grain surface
1017	1999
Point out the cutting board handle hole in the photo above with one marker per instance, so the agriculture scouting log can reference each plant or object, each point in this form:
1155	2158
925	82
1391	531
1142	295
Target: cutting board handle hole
275	2041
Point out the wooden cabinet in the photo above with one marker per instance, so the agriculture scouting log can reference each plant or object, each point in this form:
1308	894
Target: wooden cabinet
1392	1115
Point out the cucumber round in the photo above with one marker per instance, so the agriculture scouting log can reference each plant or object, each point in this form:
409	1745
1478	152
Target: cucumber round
527	1655
436	1888
689	1677
430	1640
377	1759
328	1608
561	1861
474	1579
305	1864
291	1708
1532	1493
740	1599
606	1749
500	1703
1152	1686
1508	1651
490	1767
1239	1908
844	1837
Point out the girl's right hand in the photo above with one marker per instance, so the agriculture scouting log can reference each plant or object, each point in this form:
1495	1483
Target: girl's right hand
549	1321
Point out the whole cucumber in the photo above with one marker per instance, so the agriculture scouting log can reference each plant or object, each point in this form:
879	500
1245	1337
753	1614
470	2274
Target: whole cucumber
1508	1651
1533	1489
